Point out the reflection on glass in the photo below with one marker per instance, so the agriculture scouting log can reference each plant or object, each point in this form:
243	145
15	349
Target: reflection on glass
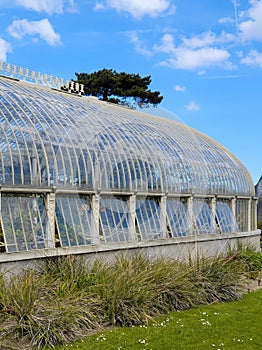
242	214
150	220
225	217
75	222
179	221
24	221
204	218
116	221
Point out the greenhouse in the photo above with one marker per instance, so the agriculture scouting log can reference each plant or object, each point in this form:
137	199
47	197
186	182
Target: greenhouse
79	175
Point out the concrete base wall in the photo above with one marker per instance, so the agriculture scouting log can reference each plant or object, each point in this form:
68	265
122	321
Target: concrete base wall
180	249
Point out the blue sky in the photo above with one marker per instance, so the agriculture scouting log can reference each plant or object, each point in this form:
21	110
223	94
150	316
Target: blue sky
205	57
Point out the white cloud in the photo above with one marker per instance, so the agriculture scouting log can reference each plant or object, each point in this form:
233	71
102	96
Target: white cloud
198	41
251	28
5	47
180	88
48	6
196	52
188	59
140	8
207	39
202	40
192	106
253	58
226	20
224	76
139	45
19	28
167	44
99	6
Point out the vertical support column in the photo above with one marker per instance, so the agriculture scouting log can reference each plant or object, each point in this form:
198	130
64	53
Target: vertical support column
132	217
190	207
213	208
249	213
163	216
50	209
191	213
233	204
96	237
255	213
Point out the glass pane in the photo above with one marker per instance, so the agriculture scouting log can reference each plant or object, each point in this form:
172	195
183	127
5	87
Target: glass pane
115	219
253	215
24	221
242	214
150	220
179	221
204	218
75	221
225	217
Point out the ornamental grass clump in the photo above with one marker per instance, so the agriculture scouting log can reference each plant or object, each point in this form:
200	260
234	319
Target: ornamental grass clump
71	296
216	279
128	291
71	271
138	288
172	285
39	310
19	298
251	262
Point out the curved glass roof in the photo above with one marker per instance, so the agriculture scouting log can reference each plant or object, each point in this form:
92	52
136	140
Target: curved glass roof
51	138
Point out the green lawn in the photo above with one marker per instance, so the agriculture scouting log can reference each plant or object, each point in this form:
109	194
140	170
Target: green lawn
225	326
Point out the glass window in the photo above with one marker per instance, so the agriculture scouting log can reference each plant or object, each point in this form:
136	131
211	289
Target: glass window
150	220
24	222
115	218
178	217
204	218
225	217
242	214
253	215
75	221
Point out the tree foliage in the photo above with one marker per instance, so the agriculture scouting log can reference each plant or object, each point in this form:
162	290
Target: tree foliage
122	88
